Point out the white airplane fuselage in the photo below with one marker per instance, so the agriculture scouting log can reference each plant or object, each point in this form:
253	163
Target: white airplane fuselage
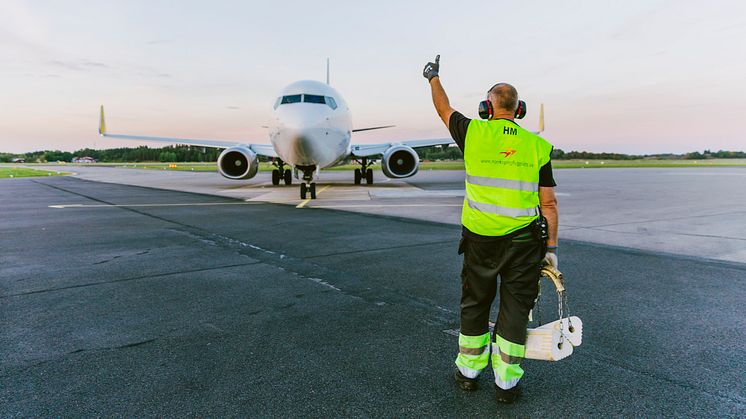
311	126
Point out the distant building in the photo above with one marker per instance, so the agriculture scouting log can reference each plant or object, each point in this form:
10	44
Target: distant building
18	160
84	160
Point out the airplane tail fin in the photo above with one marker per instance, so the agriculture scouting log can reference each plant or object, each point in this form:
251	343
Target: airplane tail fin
102	123
541	118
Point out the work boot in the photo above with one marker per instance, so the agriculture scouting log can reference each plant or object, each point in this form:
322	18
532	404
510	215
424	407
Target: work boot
507	396
465	383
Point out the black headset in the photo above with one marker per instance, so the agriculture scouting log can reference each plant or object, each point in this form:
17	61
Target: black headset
486	111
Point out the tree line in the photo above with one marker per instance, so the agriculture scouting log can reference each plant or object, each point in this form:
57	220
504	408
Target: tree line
121	155
183	153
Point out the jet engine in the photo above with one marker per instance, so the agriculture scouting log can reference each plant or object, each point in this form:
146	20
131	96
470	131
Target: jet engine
400	161
238	163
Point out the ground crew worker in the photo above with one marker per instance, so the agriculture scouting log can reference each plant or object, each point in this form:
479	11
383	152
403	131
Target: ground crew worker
509	182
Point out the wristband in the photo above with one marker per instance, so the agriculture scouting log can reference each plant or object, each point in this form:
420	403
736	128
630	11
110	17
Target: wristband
552	249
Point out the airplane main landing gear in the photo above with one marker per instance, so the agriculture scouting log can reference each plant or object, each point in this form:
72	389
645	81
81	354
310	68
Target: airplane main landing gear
281	173
364	173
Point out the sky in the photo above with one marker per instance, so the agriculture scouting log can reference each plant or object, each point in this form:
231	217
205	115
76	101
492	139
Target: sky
632	77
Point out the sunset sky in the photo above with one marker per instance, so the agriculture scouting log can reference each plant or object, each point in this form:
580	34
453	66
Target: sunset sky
632	77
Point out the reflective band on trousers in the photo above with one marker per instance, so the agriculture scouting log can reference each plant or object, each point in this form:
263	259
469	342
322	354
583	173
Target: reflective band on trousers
505	358
517	185
474	354
496	209
471	351
508	359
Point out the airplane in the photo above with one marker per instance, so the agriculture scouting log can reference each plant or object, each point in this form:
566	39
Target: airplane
311	130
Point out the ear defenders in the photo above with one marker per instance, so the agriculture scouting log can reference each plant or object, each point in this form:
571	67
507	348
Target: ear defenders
486	111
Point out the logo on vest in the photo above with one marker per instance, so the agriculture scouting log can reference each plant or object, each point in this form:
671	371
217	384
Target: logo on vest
509	152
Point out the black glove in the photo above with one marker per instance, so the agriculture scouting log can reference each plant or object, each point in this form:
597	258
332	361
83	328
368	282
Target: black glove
431	69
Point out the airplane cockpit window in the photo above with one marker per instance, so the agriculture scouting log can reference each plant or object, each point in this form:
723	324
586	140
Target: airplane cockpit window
290	99
331	102
306	98
314	99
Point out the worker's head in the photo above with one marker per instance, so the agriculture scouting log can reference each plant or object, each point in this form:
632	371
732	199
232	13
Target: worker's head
504	98
502	103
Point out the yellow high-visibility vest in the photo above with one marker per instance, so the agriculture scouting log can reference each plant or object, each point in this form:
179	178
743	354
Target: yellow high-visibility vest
502	176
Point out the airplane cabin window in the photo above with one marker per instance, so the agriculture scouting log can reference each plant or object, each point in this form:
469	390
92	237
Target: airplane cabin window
290	99
331	102
314	99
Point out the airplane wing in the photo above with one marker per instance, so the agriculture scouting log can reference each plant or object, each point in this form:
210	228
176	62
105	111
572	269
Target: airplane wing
260	149
367	150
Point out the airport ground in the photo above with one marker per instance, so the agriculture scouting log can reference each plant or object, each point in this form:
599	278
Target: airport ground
140	293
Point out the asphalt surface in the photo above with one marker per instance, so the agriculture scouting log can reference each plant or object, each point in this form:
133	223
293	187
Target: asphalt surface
128	301
690	211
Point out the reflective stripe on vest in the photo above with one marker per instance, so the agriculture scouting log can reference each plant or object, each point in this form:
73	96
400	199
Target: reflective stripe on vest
502	176
496	209
517	185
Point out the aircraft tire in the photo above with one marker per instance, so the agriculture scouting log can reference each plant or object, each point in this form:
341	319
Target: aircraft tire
313	191
369	176
358	176
288	177
303	191
275	177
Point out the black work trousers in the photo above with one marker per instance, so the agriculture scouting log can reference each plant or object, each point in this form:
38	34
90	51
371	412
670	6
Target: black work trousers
516	259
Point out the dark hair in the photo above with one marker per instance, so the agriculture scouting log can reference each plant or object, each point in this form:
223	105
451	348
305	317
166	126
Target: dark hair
506	96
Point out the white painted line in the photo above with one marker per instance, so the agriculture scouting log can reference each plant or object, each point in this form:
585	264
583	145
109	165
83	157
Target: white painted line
194	204
388	206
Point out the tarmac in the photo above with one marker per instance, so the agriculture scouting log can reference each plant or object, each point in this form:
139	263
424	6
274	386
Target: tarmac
686	211
121	300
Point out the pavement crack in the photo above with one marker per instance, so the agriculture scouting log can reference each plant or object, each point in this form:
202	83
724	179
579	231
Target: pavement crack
613	361
135	278
104	348
404	246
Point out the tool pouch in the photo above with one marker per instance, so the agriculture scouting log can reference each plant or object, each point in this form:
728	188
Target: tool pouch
555	340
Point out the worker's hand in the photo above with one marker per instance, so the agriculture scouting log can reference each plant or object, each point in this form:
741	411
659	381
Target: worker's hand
431	69
550	258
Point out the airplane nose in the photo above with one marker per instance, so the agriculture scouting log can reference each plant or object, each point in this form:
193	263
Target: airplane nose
299	121
306	135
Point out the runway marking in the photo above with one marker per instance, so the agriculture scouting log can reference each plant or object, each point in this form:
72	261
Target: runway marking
195	204
387	206
303	204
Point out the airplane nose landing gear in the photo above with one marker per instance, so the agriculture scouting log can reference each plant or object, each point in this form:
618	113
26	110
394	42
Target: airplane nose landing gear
308	186
305	190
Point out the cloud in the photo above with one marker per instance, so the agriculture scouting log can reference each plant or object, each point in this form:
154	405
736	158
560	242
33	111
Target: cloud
232	107
47	75
78	65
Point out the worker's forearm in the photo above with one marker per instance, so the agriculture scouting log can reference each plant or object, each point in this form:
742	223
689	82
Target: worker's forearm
552	215
440	100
